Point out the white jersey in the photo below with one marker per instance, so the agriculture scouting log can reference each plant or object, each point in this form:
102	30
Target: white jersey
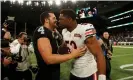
85	65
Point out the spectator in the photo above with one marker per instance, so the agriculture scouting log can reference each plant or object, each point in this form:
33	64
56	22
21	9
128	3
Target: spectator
20	49
108	53
5	51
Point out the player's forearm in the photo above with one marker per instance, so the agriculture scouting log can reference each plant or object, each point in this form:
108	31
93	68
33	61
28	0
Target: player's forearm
101	64
96	50
100	60
57	58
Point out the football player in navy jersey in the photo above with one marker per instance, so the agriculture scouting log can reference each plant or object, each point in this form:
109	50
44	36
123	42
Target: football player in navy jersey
76	35
46	48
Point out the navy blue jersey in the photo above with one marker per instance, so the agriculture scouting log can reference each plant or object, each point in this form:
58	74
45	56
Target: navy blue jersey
43	32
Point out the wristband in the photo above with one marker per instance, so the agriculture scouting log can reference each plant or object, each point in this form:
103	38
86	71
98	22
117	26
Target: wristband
101	77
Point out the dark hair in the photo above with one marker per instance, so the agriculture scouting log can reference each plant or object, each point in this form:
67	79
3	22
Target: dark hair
21	33
28	39
68	13
105	32
44	16
82	10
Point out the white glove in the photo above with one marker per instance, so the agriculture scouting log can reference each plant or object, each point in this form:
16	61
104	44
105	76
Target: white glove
101	77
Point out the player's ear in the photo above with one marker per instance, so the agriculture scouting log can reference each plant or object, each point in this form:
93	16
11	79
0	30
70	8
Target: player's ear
46	20
70	19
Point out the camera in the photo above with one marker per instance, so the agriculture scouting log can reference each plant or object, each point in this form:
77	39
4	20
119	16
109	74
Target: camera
17	58
27	40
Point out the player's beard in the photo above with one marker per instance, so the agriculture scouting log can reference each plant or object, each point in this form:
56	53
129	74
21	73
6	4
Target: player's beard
61	26
53	24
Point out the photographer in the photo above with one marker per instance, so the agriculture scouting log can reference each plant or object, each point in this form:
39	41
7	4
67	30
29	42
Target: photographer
5	34
32	57
5	51
20	51
107	48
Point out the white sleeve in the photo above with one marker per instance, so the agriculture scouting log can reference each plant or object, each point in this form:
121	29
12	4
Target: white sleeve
88	31
63	32
14	47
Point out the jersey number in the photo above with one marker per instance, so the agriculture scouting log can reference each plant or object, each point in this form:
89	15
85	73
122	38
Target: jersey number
41	30
72	43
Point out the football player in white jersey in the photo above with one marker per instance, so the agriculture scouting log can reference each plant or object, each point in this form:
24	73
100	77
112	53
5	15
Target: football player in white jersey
75	35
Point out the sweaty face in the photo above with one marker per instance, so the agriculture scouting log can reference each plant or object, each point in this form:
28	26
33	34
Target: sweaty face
52	20
63	21
106	35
